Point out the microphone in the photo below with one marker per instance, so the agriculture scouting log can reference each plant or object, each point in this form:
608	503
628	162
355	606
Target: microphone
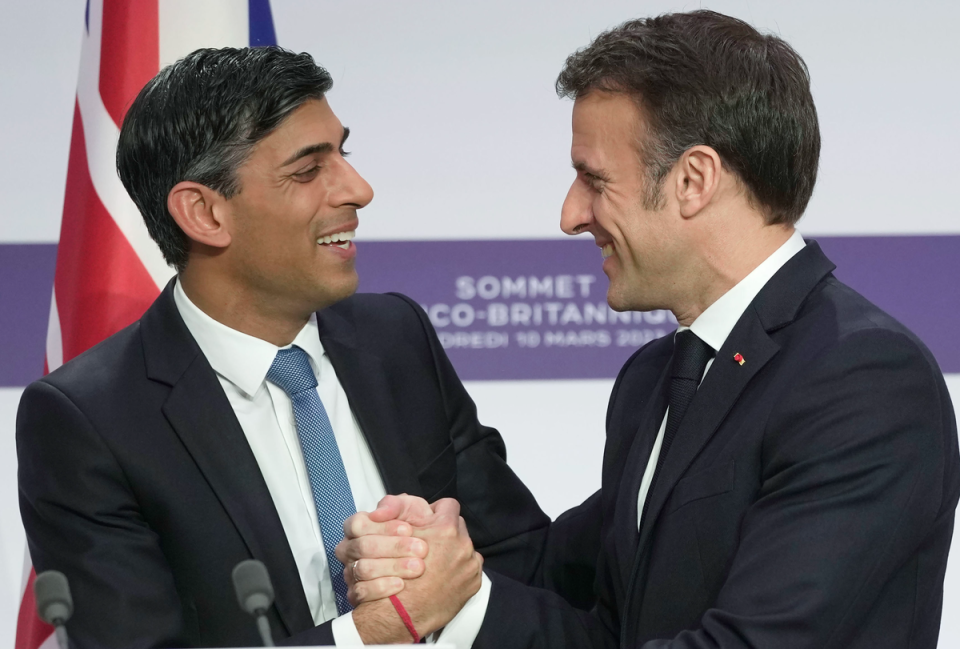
251	581
54	603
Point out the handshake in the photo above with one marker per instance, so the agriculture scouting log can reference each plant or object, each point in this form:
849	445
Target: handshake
421	553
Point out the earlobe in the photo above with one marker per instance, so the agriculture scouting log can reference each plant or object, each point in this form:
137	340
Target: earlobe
197	210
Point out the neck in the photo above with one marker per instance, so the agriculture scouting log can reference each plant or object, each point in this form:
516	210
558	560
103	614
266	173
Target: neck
241	308
726	257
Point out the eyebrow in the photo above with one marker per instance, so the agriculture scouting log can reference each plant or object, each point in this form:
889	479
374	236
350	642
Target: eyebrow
323	147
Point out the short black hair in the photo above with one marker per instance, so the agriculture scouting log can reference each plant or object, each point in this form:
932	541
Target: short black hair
198	120
706	78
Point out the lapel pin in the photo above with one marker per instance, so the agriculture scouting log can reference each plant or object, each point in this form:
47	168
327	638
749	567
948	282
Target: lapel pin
739	358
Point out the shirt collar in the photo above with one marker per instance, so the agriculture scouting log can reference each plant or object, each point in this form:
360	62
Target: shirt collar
718	320
240	358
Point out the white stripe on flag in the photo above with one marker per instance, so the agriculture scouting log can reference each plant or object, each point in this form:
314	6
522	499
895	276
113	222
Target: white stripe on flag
187	25
27	567
101	135
50	642
54	337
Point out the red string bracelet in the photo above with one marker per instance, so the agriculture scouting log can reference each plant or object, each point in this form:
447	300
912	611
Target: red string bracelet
407	622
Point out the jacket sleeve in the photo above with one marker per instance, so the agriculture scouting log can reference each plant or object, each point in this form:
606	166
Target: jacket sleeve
507	525
82	518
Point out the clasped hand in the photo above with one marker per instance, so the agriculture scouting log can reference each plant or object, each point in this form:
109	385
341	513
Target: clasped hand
411	547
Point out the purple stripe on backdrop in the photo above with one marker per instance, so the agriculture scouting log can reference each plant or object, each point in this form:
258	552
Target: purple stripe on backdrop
26	281
535	309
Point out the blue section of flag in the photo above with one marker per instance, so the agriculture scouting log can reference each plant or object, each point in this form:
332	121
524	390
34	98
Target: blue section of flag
261	24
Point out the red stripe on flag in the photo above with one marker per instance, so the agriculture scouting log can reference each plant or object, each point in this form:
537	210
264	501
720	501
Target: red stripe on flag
101	284
129	52
31	630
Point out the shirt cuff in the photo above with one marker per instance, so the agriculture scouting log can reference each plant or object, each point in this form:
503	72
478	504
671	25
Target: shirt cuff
462	630
345	632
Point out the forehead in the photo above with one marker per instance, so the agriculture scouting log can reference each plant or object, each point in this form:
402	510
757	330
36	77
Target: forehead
605	123
312	123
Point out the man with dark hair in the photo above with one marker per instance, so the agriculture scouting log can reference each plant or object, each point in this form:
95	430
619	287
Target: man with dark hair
256	404
783	471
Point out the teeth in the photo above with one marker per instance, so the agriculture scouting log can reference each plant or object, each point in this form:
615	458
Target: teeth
607	250
338	237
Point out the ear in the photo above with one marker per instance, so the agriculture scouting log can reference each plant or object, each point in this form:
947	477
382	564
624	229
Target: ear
199	211
698	179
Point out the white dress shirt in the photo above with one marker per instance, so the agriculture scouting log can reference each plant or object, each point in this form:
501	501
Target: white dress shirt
265	413
714	325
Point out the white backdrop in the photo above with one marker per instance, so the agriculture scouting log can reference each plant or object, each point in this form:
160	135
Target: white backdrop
455	124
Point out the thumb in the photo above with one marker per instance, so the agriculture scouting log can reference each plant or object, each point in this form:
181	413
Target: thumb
412	509
389	508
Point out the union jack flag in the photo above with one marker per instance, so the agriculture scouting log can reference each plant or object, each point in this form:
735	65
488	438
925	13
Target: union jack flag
108	269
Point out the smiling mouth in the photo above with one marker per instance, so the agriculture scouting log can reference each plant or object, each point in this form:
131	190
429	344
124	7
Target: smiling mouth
339	239
607	250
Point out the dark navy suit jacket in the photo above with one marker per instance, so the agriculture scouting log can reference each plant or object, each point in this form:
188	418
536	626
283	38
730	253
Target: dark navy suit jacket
137	481
807	501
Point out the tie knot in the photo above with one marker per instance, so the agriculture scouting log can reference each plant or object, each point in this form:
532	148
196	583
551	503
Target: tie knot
690	356
291	371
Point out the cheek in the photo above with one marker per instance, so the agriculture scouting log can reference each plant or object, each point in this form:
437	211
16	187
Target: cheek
627	228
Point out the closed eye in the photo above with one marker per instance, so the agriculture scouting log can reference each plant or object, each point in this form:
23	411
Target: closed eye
307	174
595	182
594	178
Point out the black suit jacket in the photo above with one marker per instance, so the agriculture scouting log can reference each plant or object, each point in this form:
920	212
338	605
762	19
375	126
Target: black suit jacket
137	481
807	501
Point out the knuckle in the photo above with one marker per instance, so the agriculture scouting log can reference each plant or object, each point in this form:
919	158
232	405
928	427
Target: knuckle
448	532
452	505
380	588
365	546
405	546
359	592
358	570
406	567
357	524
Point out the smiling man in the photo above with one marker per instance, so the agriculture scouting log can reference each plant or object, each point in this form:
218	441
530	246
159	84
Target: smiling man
783	472
258	403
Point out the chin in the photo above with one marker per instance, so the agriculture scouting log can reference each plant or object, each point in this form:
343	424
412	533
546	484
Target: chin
616	300
621	300
342	290
328	293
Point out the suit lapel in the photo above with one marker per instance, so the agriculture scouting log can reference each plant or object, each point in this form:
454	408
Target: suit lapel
637	458
720	390
775	306
364	379
201	416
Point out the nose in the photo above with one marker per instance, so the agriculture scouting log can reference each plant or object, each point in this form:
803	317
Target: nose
354	189
576	215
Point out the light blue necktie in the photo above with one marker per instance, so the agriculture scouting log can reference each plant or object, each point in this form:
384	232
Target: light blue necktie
292	373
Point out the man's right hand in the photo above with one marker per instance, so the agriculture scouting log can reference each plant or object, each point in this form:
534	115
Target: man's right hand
451	568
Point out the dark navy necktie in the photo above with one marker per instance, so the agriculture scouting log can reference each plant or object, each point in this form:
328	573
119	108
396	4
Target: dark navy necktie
292	373
690	358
